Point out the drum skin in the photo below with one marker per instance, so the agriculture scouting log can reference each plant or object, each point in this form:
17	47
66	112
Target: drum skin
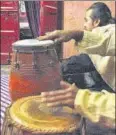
34	69
21	120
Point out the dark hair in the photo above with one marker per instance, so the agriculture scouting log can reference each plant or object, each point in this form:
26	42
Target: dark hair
101	11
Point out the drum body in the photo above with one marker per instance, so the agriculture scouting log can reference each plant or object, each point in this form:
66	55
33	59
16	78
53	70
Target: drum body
34	69
20	119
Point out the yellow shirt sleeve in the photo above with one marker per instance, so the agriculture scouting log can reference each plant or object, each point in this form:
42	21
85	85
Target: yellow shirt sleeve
93	43
99	41
96	106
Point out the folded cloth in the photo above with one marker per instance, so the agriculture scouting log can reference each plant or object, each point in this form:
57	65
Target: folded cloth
80	70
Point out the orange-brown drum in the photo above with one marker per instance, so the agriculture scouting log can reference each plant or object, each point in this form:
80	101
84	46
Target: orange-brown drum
34	69
26	117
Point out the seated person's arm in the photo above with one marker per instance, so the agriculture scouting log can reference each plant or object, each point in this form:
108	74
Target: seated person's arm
97	43
99	107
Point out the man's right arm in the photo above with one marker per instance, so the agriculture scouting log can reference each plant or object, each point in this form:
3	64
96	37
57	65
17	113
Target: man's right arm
60	36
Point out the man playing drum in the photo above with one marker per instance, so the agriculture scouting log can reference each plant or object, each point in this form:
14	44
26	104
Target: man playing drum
98	42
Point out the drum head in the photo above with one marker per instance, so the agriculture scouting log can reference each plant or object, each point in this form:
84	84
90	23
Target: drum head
32	44
27	112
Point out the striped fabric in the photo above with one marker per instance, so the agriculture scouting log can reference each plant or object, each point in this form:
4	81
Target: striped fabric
5	97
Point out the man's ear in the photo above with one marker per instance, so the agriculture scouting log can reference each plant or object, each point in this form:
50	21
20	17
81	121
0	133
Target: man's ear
96	22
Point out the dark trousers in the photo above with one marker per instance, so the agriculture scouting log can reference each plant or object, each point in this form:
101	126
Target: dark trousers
81	71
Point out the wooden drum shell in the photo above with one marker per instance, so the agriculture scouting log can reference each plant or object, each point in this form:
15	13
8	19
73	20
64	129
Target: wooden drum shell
34	70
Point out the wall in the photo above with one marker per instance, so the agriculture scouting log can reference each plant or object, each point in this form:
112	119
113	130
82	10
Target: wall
74	12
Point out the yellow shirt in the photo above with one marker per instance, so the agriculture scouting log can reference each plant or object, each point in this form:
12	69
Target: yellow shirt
98	107
99	44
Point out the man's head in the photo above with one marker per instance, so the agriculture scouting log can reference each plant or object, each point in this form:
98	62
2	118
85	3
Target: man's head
97	14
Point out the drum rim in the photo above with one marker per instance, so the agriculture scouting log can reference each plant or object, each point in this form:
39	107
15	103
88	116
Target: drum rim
28	45
33	49
42	131
28	41
33	42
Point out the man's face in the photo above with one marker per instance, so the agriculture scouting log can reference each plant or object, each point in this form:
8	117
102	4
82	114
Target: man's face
89	23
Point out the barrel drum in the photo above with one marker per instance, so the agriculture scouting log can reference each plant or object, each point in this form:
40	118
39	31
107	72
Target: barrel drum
26	117
34	69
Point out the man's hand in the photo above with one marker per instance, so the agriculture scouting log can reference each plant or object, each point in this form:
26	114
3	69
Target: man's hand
60	36
65	96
